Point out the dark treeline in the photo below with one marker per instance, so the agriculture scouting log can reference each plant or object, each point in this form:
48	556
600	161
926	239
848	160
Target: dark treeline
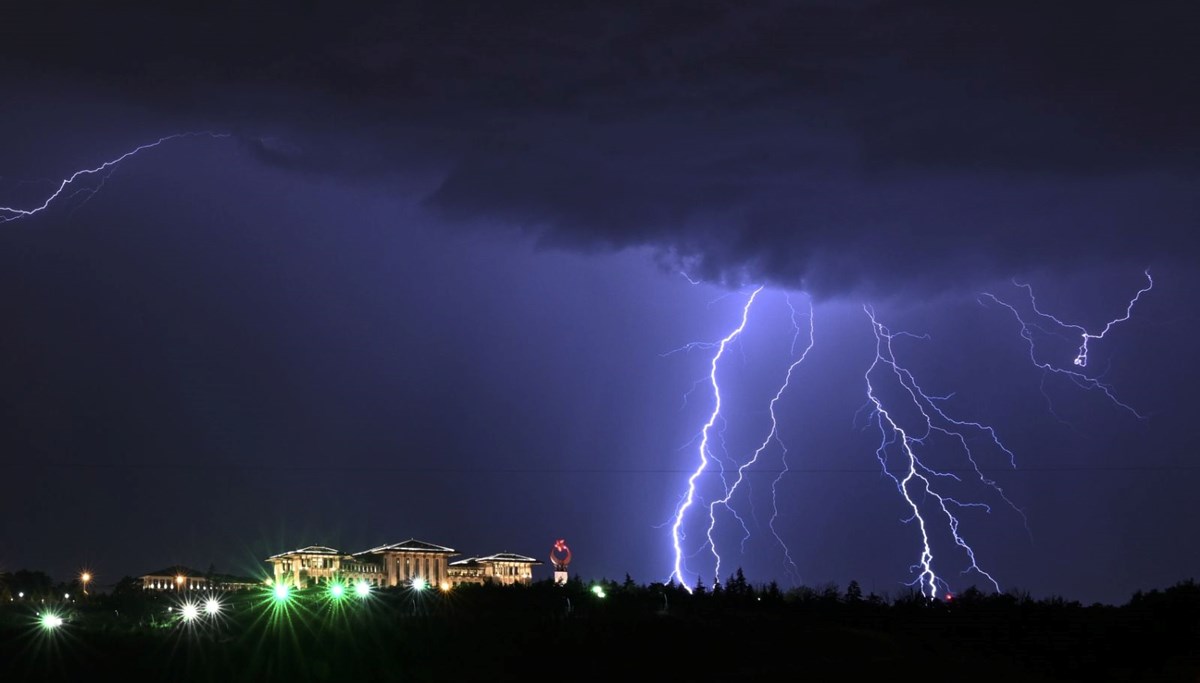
595	631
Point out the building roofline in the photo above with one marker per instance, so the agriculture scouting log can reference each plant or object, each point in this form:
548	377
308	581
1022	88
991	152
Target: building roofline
311	550
510	557
419	546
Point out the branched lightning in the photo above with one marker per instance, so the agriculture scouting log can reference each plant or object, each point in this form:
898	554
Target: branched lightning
775	432
10	213
772	437
903	440
916	481
1081	357
689	497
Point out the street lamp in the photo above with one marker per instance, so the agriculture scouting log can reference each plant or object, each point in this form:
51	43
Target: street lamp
84	578
212	607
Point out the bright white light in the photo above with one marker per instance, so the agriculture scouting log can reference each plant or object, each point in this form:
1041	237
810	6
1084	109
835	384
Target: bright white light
189	611
419	584
51	621
362	589
212	607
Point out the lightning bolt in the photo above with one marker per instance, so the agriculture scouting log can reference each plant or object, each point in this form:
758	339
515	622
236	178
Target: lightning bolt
917	482
690	495
10	213
1081	358
774	434
772	437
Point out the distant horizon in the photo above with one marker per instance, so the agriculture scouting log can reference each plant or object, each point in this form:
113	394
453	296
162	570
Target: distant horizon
886	595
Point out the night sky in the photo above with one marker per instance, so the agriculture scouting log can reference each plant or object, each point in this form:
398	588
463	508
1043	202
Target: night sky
430	283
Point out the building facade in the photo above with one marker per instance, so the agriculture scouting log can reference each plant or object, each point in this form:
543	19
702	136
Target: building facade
316	564
398	564
401	563
180	578
389	565
502	568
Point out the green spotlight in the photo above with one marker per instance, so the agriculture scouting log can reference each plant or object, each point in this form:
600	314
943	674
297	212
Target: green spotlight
362	589
50	621
281	592
599	591
336	591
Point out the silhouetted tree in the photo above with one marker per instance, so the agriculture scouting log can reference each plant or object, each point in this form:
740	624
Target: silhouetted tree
800	594
970	596
854	592
738	585
773	593
830	593
31	583
127	586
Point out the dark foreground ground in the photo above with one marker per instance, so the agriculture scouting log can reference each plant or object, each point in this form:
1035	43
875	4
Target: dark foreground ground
634	633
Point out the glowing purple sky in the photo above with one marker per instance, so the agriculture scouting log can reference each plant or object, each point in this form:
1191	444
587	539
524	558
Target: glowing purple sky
427	285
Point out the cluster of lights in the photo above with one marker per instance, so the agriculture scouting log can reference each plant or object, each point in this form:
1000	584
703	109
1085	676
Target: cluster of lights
50	621
191	610
337	590
598	591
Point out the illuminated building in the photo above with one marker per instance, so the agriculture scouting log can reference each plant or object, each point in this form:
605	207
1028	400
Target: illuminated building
386	565
180	578
315	564
412	559
397	564
502	568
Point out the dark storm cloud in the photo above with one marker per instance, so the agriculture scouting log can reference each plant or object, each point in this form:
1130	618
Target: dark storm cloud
809	144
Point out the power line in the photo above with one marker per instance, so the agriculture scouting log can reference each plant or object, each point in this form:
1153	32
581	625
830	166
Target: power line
404	469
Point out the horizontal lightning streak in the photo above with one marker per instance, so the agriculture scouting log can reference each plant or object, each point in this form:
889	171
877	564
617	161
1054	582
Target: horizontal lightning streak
10	213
